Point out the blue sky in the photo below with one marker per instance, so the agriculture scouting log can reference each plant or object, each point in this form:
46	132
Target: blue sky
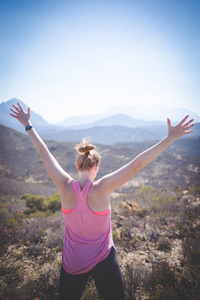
70	57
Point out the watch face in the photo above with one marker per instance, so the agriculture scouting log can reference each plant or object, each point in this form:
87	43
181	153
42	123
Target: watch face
28	127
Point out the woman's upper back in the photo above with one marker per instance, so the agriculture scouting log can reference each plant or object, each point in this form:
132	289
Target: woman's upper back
97	199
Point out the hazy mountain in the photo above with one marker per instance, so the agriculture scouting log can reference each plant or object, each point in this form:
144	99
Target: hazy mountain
137	112
109	135
81	120
7	120
160	112
109	130
155	112
118	120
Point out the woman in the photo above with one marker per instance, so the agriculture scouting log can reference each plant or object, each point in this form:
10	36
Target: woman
88	246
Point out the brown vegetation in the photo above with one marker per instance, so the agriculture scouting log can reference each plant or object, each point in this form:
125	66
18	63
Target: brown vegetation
155	221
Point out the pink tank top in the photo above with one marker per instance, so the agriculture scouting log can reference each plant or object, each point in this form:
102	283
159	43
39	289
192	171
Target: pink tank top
88	234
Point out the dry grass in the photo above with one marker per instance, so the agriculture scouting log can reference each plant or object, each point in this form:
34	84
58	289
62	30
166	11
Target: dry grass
156	240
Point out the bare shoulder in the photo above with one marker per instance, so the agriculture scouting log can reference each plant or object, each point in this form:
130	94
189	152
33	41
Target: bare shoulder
98	187
67	195
98	199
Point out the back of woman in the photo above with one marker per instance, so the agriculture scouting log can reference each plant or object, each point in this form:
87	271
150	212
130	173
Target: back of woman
88	245
88	238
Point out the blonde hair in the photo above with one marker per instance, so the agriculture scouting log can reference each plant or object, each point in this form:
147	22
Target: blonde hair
87	156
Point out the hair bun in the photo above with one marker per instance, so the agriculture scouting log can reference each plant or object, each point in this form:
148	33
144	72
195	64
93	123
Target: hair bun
86	159
86	148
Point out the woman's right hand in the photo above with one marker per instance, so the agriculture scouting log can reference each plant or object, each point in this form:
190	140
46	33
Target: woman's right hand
21	115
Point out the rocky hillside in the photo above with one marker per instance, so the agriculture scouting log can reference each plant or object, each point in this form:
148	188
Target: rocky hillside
155	220
21	168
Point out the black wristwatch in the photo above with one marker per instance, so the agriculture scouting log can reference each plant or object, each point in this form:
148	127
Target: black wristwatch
28	127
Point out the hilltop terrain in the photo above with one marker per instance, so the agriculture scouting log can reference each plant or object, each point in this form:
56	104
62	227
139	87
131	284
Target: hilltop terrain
21	166
155	216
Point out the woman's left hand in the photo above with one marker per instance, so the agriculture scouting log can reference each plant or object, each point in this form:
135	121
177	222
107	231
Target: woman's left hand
181	129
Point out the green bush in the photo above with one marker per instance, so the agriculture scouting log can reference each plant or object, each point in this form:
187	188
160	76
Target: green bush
37	202
34	203
40	205
54	202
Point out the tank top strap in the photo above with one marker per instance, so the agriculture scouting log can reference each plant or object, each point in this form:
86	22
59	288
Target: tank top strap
81	194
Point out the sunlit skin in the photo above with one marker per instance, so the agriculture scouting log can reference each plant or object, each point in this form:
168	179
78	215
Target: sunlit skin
100	191
87	174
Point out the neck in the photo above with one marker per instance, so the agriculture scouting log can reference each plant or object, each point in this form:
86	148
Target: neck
85	176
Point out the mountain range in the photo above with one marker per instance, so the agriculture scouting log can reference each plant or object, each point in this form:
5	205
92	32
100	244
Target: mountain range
104	129
155	113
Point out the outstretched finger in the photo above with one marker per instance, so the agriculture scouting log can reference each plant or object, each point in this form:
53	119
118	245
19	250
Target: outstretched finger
13	116
15	107
186	132
13	111
168	122
188	127
184	119
185	125
20	106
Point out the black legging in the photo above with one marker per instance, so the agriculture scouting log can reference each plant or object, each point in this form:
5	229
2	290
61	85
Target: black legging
107	276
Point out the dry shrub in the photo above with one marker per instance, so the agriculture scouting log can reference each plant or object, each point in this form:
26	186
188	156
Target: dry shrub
10	228
90	292
133	279
169	282
164	244
44	288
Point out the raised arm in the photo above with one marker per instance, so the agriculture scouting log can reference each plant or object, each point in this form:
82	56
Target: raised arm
116	179
55	171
